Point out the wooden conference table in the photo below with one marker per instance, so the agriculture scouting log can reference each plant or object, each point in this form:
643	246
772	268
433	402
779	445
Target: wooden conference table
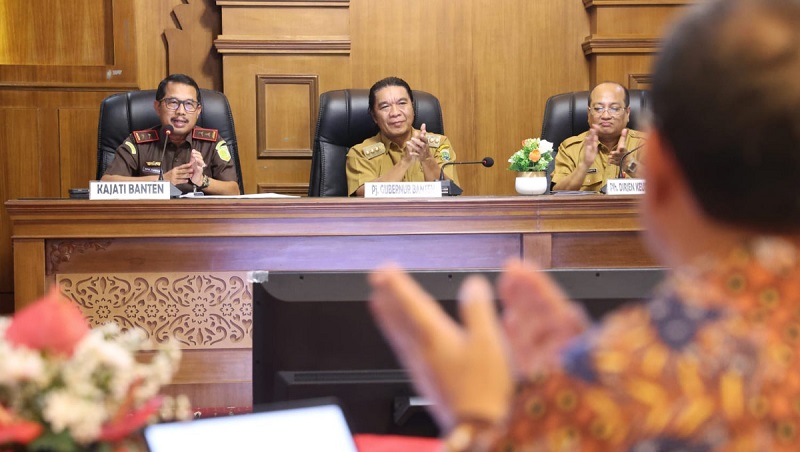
179	268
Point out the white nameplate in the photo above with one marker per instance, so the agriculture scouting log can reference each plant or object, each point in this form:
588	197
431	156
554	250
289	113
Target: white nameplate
403	189
131	190
625	187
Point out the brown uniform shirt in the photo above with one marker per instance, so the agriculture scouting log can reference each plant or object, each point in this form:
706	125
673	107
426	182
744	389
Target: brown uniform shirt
140	155
377	155
570	154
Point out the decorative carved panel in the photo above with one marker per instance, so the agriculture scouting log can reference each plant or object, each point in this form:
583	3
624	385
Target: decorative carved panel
62	250
286	114
199	310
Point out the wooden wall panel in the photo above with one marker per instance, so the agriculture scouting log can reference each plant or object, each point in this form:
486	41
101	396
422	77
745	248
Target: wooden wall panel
286	112
74	44
18	132
625	38
527	51
283	22
79	160
78	28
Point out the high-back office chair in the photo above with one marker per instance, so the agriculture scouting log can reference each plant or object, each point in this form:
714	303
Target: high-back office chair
122	113
565	115
343	122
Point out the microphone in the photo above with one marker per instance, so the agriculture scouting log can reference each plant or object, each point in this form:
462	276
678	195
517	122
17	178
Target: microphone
168	129
622	160
449	188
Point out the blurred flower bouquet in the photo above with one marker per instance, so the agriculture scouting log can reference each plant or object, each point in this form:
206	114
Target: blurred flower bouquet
535	155
66	387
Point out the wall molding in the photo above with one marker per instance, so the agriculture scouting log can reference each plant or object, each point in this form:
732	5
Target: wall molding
284	189
593	3
235	46
300	3
596	44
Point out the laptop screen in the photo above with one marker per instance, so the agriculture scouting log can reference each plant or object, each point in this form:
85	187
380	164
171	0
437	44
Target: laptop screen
294	428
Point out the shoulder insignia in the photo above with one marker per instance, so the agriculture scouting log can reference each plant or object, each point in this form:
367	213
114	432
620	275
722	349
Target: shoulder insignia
572	141
145	136
222	151
205	134
130	146
374	150
444	152
434	141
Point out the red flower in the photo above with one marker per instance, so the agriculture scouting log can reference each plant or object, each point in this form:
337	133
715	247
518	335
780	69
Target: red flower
122	426
50	324
15	430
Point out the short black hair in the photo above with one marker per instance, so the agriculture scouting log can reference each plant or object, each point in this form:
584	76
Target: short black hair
726	99
177	78
388	81
624	90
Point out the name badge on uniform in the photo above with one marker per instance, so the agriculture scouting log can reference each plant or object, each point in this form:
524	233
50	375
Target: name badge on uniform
591	170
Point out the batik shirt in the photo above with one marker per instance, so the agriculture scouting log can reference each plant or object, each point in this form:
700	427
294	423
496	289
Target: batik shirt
711	363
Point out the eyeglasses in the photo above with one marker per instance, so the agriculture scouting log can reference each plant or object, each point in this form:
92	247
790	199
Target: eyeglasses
613	110
174	104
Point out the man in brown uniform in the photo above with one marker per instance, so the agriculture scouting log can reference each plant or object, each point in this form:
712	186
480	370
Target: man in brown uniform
398	153
587	161
195	158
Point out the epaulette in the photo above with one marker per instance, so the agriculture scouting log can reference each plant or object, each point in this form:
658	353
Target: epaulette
145	136
200	133
572	141
374	150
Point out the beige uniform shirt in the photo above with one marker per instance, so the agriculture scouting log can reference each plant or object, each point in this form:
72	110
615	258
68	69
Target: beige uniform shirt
570	154
377	155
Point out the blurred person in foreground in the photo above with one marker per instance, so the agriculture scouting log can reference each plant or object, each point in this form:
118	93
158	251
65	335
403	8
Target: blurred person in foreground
713	361
399	152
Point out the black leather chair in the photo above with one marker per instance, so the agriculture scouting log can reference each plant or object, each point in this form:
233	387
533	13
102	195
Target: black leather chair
565	115
343	122
122	113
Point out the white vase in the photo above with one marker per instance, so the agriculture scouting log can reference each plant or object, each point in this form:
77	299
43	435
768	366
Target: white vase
531	183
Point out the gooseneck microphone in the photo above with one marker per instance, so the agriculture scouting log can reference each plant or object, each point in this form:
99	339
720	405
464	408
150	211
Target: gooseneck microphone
622	160
487	162
168	129
449	188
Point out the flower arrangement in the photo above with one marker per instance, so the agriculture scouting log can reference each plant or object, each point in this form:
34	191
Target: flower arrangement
535	155
66	387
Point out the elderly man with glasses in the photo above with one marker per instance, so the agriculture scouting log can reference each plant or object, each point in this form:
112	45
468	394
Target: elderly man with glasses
194	159
587	161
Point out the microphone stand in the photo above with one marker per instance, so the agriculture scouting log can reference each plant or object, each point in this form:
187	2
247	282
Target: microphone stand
449	188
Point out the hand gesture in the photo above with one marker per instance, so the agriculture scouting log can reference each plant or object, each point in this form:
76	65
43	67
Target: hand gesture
463	370
539	319
197	165
180	174
590	145
417	146
615	156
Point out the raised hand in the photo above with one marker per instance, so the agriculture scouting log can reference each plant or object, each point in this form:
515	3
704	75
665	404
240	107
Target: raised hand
590	145
463	370
538	317
615	156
